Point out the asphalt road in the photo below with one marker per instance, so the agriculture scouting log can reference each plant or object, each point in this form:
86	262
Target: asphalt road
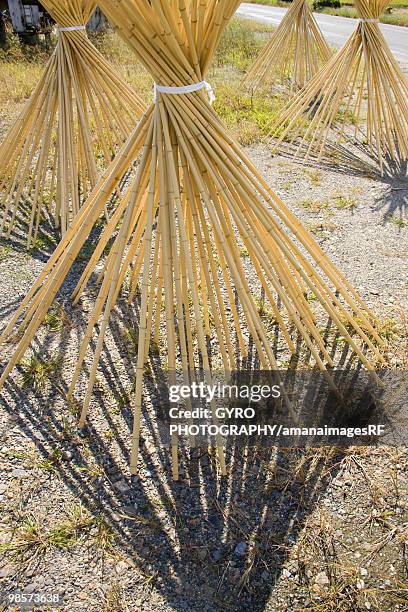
336	29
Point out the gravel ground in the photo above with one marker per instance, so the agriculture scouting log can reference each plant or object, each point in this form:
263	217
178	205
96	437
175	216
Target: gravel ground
286	530
359	220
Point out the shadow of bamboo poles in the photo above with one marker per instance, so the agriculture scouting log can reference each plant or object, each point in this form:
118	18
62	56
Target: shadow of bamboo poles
346	156
355	160
362	82
296	51
79	114
183	536
263	502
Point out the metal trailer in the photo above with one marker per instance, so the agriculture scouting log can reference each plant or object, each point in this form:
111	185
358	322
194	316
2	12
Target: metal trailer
25	16
30	18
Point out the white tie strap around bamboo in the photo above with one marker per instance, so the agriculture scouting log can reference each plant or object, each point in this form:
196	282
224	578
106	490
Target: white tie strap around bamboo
76	119
178	232
184	89
72	28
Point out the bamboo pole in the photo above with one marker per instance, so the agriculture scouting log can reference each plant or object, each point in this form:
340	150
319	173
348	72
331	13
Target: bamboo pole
295	52
362	84
179	228
80	111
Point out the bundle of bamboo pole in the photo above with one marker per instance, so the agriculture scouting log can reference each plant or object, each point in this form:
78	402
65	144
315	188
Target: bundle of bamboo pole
79	111
363	84
181	225
296	50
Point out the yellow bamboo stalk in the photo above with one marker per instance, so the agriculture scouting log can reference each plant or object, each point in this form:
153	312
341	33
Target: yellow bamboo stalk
179	228
362	83
80	111
295	51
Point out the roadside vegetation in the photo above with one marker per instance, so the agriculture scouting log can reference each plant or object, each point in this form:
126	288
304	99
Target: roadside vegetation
395	14
247	114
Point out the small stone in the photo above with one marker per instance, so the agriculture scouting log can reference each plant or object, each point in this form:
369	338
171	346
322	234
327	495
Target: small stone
130	510
367	605
112	470
208	590
122	486
216	555
121	567
82	595
321	579
240	549
19	473
6	570
360	583
234	576
286	573
363	571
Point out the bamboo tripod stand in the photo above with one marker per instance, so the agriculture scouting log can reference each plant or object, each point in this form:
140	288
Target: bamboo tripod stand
180	227
364	82
79	111
296	50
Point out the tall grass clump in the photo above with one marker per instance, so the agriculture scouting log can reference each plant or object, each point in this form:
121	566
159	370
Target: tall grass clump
247	116
240	43
20	69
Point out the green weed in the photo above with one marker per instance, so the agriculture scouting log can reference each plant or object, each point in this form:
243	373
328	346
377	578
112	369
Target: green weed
5	252
56	318
398	221
38	372
314	205
346	202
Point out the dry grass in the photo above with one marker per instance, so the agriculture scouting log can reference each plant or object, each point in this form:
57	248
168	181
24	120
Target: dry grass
245	114
31	534
18	80
20	69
